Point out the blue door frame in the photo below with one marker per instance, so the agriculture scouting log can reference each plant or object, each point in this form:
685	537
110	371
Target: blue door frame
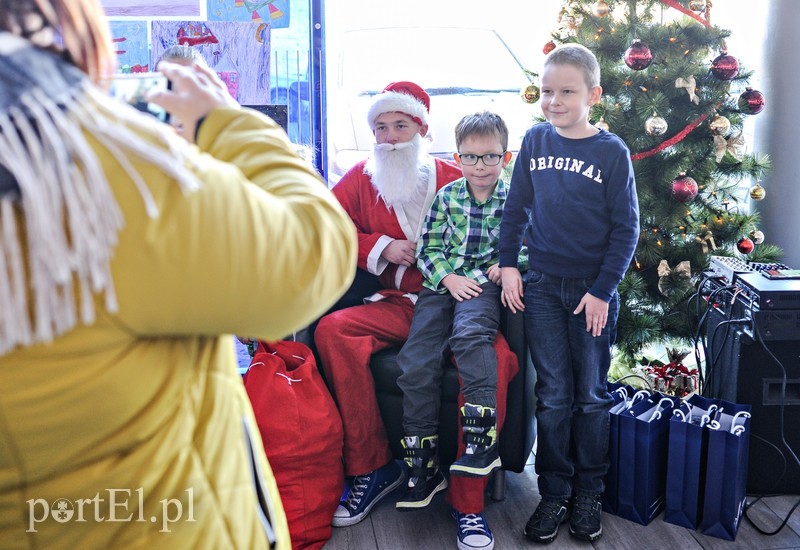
316	50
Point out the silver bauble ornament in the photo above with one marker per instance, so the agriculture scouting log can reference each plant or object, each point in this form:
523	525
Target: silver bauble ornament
720	125
757	236
757	192
655	126
530	93
698	5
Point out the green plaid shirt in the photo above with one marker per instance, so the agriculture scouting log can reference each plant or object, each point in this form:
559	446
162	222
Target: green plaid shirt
460	235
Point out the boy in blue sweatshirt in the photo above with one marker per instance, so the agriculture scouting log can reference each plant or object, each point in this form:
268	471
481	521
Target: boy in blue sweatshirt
573	199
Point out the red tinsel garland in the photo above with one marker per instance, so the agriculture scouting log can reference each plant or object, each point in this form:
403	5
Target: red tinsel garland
690	13
673	140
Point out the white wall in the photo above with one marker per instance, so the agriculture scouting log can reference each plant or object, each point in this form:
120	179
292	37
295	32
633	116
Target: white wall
525	25
778	134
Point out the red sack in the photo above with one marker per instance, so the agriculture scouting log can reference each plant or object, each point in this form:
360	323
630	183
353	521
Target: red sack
302	433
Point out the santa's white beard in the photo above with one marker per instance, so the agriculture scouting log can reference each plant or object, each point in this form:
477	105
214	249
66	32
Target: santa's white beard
399	171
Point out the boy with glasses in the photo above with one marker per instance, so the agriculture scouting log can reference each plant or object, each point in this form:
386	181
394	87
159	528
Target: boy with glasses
573	199
458	310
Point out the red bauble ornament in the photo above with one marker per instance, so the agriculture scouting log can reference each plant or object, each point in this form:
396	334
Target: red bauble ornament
684	188
745	245
549	47
751	102
638	56
724	67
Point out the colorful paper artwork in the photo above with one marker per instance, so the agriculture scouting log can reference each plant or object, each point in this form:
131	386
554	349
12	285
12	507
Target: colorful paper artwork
239	52
131	45
154	8
276	12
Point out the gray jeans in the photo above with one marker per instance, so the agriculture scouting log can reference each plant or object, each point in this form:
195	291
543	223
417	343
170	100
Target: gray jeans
442	323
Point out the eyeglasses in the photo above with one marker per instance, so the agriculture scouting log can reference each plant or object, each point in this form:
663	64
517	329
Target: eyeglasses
490	159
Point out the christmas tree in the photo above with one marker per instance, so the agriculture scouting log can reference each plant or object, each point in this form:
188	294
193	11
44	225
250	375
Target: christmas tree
679	99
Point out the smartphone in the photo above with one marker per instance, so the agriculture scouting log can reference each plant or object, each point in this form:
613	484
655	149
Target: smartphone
133	89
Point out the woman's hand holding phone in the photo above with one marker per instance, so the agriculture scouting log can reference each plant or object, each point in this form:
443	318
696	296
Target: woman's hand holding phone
195	91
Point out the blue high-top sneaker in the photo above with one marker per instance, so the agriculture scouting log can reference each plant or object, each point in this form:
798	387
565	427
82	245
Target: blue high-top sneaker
473	532
365	493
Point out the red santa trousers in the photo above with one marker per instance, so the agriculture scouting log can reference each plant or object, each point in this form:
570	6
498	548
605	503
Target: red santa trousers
345	341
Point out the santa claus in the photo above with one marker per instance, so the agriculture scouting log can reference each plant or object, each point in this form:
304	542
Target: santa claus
387	196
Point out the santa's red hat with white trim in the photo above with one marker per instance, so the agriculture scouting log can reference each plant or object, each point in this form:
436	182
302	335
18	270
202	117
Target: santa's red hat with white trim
401	97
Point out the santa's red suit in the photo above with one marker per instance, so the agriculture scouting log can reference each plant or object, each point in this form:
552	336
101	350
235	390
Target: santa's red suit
347	338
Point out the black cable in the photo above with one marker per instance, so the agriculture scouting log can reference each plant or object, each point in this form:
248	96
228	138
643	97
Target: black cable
757	336
704	376
784	381
695	346
771	491
711	362
696	339
749	505
780	527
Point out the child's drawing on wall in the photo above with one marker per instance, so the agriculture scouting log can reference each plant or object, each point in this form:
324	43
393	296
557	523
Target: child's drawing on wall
275	12
154	8
238	52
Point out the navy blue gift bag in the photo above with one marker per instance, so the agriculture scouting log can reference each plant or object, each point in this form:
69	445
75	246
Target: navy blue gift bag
686	460
643	442
624	397
726	471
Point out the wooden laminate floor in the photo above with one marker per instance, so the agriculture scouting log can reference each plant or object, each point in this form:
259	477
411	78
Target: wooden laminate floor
434	529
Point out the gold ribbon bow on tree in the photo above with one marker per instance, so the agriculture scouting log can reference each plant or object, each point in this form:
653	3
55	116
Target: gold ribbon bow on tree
690	85
735	146
667	278
705	241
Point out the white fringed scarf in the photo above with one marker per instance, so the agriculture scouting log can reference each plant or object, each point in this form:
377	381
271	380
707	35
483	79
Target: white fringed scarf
53	188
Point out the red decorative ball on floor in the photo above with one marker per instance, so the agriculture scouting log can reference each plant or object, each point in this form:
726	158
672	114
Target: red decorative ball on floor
745	245
684	188
638	56
751	102
724	67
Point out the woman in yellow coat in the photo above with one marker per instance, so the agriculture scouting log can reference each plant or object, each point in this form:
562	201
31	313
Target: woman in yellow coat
128	256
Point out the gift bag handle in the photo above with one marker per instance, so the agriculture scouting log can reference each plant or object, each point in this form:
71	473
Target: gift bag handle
736	429
639	395
657	412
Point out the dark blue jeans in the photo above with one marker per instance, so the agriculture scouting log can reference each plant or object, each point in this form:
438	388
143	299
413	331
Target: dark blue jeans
572	417
442	323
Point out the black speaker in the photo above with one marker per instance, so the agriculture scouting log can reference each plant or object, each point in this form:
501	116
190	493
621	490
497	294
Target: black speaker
746	371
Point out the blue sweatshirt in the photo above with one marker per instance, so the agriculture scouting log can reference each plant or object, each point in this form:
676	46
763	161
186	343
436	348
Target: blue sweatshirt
574	201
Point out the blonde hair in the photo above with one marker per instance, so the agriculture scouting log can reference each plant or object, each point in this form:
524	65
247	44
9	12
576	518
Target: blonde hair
79	25
578	56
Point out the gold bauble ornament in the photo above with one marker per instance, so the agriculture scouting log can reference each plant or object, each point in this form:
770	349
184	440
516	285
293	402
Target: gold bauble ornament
720	125
601	8
655	126
757	192
602	124
697	5
530	93
757	236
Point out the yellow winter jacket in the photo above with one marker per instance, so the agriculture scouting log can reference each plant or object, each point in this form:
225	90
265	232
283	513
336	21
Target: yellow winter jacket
136	431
